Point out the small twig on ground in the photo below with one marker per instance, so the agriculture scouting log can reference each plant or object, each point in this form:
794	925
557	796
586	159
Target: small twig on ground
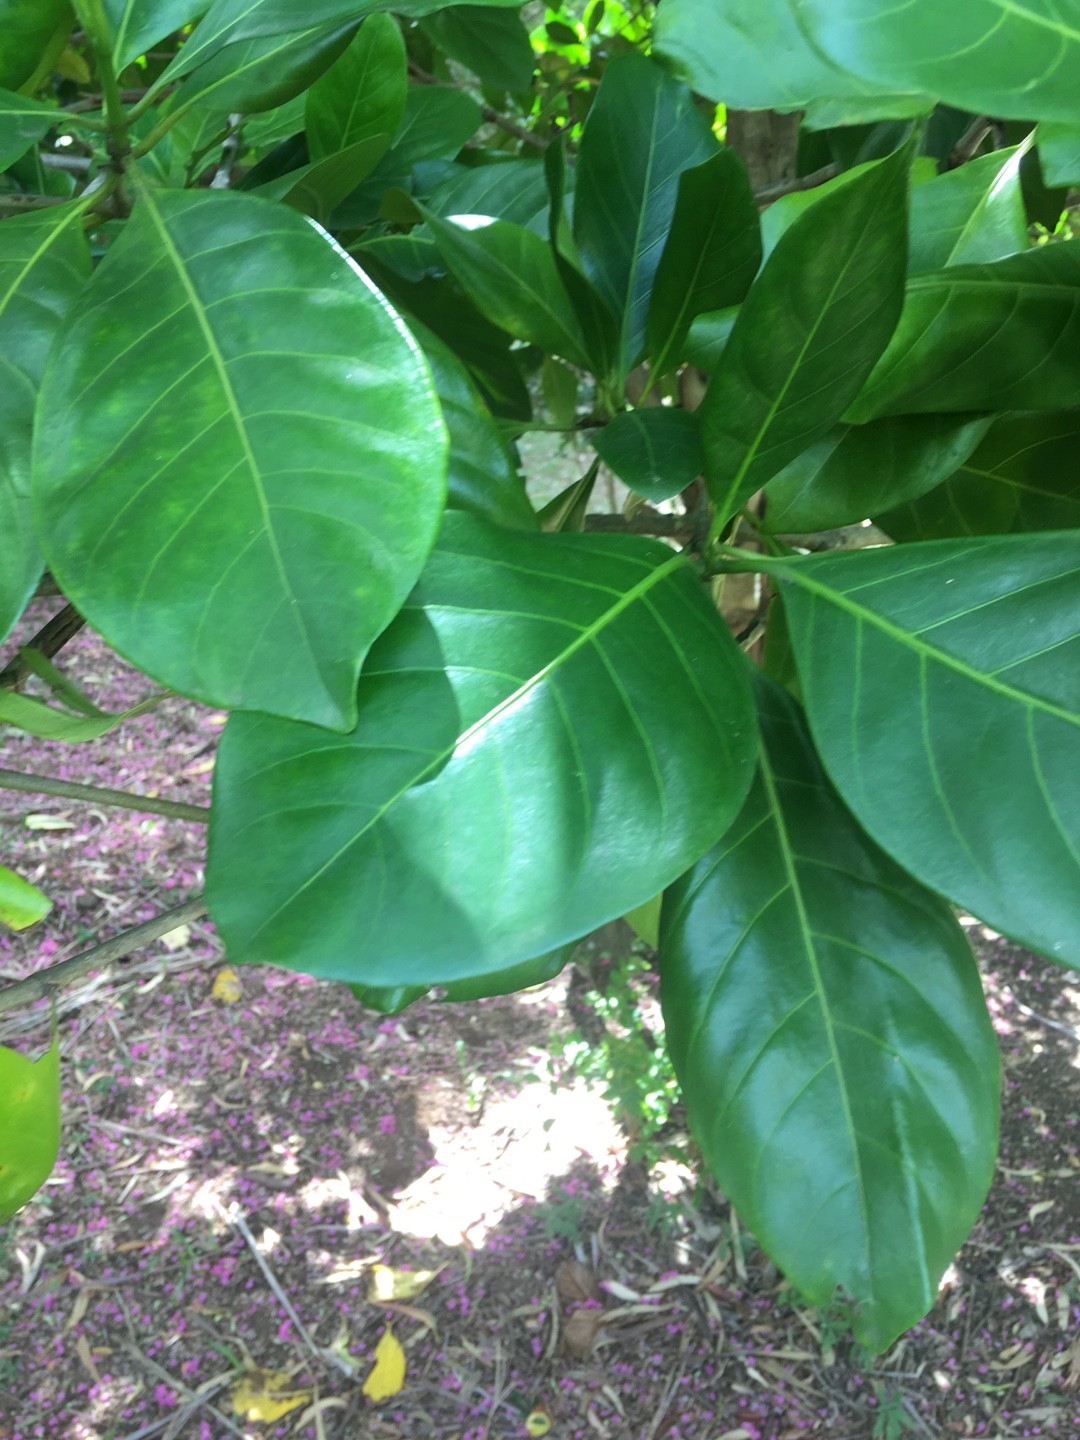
102	795
43	981
234	1217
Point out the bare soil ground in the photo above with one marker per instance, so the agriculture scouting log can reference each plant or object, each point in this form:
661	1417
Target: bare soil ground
269	1180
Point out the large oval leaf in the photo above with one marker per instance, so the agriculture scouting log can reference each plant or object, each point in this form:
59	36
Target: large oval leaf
827	1025
44	262
1022	477
362	94
970	215
942	684
29	1124
1003	336
552	730
817	318
233	421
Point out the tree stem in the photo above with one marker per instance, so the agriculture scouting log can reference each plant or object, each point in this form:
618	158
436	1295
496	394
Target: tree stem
42	982
100	795
92	16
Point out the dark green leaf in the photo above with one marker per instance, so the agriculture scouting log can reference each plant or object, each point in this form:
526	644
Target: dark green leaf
708	337
655	451
44	263
817	318
483	477
362	94
511	190
319	188
22	123
827	1025
642	132
230	414
510	275
956	666
1022	477
551	731
26	27
564	513
598	324
29	1124
1059	152
711	255
859	470
983	337
136	25
493	44
264	73
970	215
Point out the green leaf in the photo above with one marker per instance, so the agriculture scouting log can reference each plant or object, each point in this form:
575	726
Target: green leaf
493	44
1022	477
708	338
29	1124
22	123
319	188
954	665
136	25
391	1000
599	326
510	189
231	414
1059	152
44	263
817	318
1012	58
711	255
859	470
983	337
656	452
26	27
263	73
483	477
560	386
48	722
509	274
552	730
828	1029
970	215
362	94
565	512
642	132
21	905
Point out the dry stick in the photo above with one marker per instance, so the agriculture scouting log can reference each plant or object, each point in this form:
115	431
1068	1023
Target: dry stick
769	193
51	638
235	1218
43	981
102	795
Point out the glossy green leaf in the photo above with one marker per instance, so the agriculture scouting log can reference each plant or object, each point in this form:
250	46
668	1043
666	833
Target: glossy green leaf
552	730
232	413
756	56
656	452
263	73
1022	477
827	1025
319	188
983	337
1059	152
511	190
970	215
817	318
599	326
391	1000
708	338
136	25
22	123
711	255
642	132
44	263
1013	58
859	470
21	904
483	476
509	274
29	1124
362	94
492	43
954	665
26	27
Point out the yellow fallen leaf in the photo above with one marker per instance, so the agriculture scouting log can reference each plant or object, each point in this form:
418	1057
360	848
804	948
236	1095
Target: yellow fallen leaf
387	1375
390	1284
537	1422
227	987
266	1395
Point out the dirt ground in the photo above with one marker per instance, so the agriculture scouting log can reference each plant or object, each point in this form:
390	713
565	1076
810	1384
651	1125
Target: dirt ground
258	1181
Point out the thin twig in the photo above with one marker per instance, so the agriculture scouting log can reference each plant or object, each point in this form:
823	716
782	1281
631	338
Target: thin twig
49	640
235	1218
769	193
967	146
42	982
643	522
102	795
